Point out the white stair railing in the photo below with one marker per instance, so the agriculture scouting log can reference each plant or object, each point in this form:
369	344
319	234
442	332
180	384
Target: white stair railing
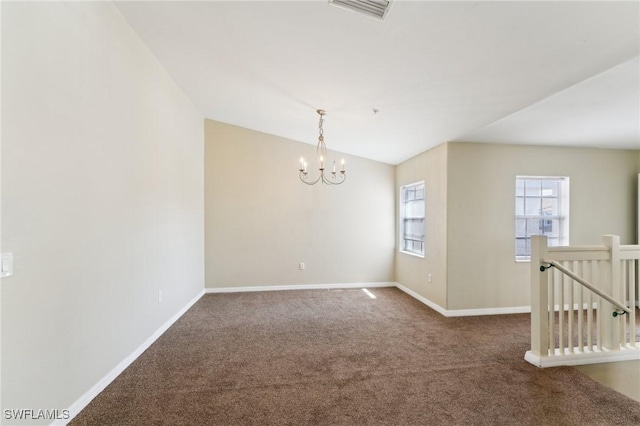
582	303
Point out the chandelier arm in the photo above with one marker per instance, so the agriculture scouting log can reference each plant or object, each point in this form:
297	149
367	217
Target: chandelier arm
302	176
328	181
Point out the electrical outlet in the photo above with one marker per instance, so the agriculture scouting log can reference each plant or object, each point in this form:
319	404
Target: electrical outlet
301	266
429	278
159	296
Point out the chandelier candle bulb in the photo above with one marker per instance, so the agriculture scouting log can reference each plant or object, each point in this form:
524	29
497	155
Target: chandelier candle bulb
343	165
334	168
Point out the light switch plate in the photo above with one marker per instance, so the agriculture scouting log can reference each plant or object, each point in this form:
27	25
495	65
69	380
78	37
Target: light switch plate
7	265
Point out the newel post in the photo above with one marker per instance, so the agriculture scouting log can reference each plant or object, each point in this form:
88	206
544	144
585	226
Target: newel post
539	298
611	285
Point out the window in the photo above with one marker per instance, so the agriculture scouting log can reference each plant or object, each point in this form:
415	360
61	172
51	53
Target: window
542	208
412	203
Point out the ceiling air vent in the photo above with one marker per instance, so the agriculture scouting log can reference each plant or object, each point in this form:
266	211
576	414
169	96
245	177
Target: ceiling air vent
374	8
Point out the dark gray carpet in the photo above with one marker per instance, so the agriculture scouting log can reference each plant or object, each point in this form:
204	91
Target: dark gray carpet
339	357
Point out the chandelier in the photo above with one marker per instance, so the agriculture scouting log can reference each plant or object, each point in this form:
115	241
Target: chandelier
321	151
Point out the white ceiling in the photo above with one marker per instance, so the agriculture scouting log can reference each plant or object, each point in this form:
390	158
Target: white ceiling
602	111
551	73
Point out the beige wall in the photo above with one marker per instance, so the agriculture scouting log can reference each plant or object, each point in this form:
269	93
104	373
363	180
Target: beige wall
261	221
412	271
482	272
102	198
1	251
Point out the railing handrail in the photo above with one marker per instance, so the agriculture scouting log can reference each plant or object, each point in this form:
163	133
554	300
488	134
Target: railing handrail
587	284
623	247
577	248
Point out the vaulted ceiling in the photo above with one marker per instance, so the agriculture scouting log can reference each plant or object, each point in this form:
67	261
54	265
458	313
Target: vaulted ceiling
550	73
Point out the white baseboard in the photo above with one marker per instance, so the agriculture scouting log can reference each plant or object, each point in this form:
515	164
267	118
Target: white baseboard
592	357
489	311
423	299
89	395
429	303
464	312
297	287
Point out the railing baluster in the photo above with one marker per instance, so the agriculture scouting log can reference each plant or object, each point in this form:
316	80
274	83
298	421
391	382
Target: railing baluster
572	283
563	280
611	286
590	324
590	321
552	313
623	291
632	301
598	311
580	310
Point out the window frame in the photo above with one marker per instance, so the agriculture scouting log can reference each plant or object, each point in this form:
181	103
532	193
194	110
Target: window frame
562	212
402	218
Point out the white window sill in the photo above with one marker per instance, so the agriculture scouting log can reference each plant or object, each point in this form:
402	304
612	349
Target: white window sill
412	254
523	260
